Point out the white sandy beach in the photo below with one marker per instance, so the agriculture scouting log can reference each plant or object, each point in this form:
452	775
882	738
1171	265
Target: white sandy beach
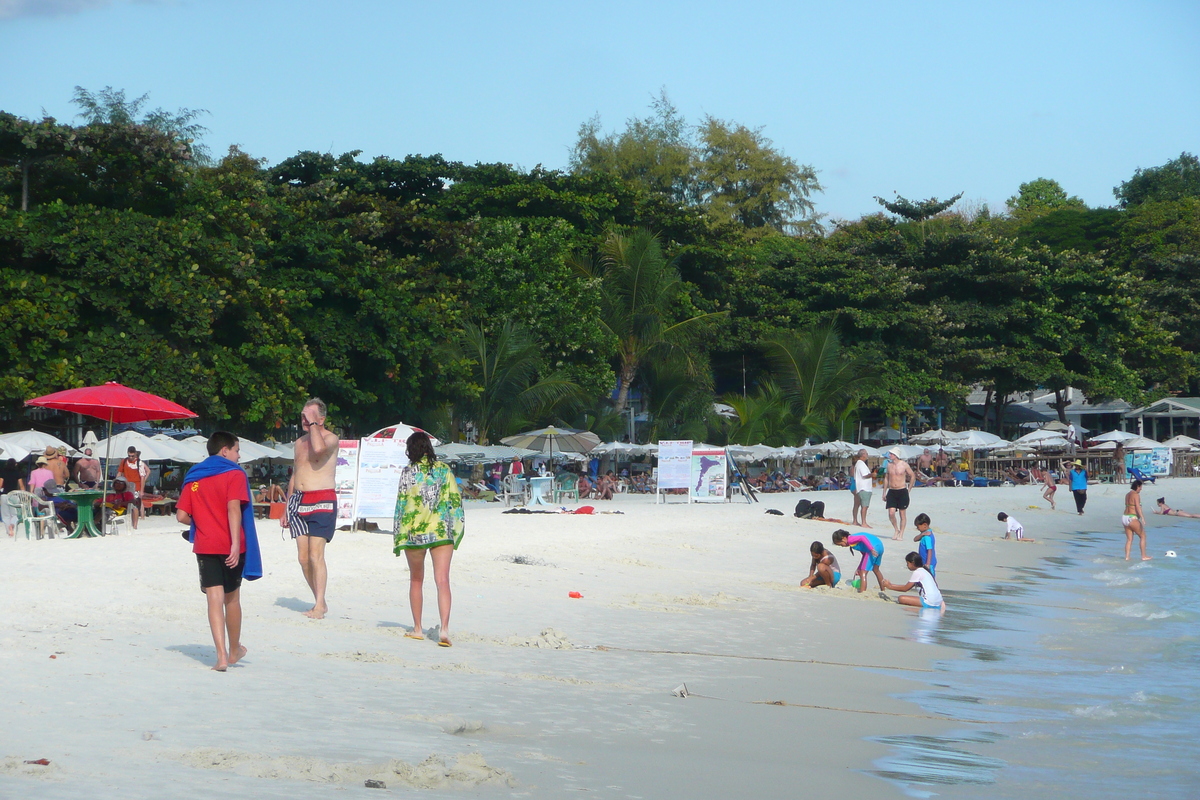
105	653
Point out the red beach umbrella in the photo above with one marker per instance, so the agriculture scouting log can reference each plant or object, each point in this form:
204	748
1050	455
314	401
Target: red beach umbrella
115	403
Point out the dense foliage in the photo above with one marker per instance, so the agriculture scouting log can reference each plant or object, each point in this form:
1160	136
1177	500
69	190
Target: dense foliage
671	263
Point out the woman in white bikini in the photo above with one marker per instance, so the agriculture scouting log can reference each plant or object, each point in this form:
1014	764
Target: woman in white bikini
1133	521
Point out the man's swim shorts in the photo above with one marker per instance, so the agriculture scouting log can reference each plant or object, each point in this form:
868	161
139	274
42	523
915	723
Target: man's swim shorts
312	513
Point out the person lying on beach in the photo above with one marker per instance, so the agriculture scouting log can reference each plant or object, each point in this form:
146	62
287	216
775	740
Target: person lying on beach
872	555
929	595
1166	510
1014	528
1133	521
824	570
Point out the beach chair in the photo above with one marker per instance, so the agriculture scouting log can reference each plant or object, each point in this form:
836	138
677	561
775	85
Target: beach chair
34	514
566	486
1138	475
514	489
961	478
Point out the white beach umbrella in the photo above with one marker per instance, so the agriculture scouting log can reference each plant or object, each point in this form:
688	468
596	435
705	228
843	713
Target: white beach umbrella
938	436
1039	435
151	449
187	452
871	451
1141	443
253	451
904	451
402	432
979	440
32	442
1181	442
1114	436
753	452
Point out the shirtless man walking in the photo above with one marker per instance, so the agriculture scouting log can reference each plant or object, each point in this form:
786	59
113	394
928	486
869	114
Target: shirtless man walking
311	500
899	480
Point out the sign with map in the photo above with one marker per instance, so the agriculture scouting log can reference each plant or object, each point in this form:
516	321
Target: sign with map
709	481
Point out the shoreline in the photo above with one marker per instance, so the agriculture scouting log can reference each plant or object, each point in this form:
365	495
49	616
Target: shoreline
543	693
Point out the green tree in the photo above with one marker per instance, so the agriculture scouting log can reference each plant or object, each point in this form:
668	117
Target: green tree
744	179
507	387
816	375
110	107
1040	197
25	144
640	296
655	152
1179	178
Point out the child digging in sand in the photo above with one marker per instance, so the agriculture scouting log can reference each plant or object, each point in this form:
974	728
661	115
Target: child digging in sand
872	555
1014	528
824	570
930	596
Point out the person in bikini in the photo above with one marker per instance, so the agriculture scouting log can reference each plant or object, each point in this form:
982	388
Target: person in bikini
1051	487
1167	511
1133	521
311	512
824	570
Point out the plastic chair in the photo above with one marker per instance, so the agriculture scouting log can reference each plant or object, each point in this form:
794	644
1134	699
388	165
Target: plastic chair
961	478
513	488
34	514
1138	475
566	486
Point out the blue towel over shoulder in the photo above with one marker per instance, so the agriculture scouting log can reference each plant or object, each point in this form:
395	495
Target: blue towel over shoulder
216	465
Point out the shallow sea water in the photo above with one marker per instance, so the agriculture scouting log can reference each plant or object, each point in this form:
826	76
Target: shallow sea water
1081	678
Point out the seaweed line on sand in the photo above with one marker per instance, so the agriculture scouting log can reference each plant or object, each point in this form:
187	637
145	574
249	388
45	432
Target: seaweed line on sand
468	769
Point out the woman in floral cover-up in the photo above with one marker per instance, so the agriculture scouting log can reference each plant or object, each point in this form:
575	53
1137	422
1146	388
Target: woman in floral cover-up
429	516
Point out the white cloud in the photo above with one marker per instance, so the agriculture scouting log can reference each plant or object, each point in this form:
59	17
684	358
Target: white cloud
11	9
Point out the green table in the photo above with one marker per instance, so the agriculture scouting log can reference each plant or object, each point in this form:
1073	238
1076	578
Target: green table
83	503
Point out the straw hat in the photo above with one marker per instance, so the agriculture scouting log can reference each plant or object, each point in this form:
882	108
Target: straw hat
41	461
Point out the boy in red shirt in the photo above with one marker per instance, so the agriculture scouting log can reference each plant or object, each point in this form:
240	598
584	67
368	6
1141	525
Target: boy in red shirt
214	504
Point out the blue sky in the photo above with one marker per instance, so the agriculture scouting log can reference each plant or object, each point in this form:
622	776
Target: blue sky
924	99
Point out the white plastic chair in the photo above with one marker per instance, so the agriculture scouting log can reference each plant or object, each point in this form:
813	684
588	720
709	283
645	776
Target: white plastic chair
513	487
34	514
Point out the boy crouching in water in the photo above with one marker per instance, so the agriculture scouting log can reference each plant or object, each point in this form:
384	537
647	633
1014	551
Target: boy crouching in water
214	498
824	570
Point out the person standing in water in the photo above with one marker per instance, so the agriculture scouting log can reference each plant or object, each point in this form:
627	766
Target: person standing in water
311	511
1133	521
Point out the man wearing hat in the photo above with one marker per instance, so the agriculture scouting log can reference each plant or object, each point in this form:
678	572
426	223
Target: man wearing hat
1078	477
56	462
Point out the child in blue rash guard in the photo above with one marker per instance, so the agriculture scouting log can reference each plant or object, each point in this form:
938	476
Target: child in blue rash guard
872	555
926	547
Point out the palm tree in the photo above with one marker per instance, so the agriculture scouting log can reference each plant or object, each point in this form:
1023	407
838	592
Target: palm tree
817	377
639	288
503	368
764	416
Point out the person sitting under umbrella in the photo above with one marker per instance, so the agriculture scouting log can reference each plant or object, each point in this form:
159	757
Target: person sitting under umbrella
64	508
